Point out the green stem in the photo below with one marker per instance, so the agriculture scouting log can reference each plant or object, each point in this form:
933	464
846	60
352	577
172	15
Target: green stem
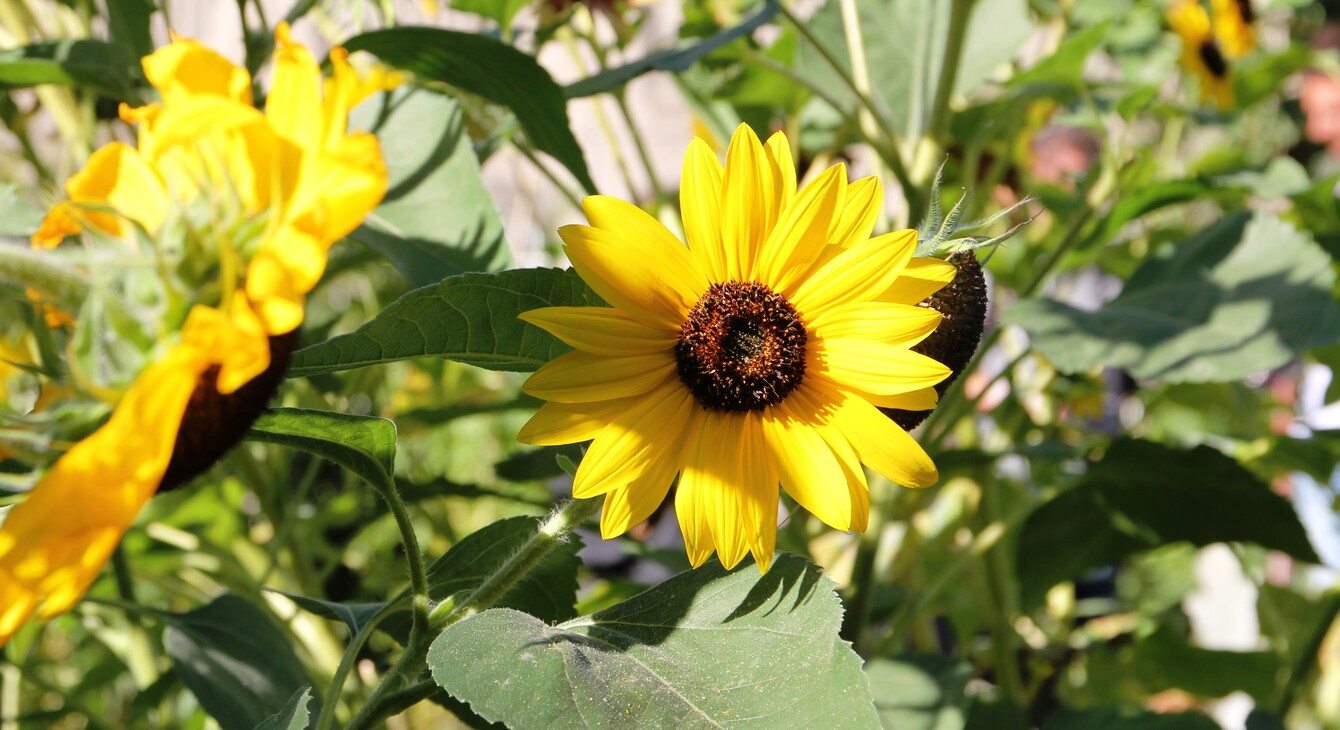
658	194
573	199
553	533
25	267
1306	660
929	145
863	580
336	688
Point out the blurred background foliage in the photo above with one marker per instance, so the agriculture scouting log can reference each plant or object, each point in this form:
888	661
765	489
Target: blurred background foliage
1136	522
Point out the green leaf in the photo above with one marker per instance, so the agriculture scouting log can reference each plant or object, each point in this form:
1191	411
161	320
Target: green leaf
1107	718
919	692
670	59
437	219
353	615
1063	69
471	318
1238	298
294	716
500	10
1143	495
234	659
487	68
549	592
707	648
1152	197
362	444
128	24
18	217
96	65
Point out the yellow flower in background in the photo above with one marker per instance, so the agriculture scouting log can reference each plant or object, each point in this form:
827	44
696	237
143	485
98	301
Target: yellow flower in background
758	355
1233	28
260	197
1202	55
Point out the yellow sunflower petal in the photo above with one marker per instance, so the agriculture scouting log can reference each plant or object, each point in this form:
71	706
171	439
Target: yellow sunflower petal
294	104
874	366
344	183
730	489
655	285
117	177
53	544
809	470
632	444
760	483
600	330
633	504
555	424
694	494
580	377
813	402
860	212
801	234
882	444
61	221
892	324
921	399
644	236
746	196
859	273
184	68
700	206
922	278
783	167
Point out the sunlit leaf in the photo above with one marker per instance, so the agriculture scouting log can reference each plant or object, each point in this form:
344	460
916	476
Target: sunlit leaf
707	648
469	318
549	592
487	68
361	444
1243	296
437	219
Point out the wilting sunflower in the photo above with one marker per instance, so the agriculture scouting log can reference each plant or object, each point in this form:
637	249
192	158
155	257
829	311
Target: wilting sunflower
1233	29
1202	55
205	238
758	355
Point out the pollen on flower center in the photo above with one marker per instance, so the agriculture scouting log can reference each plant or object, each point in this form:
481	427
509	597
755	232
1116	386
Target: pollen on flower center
742	348
1213	58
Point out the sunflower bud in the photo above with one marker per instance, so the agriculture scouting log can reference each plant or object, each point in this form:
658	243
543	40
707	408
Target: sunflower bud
963	303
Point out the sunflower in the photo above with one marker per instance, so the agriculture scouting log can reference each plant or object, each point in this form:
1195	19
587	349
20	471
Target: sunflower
758	355
214	227
1233	26
1202	55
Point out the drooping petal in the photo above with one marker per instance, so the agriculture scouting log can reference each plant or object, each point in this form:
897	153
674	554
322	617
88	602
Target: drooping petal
801	234
891	324
118	178
630	505
922	278
859	273
731	487
922	399
874	367
600	330
654	286
580	377
294	104
700	206
693	496
809	471
634	442
882	444
555	424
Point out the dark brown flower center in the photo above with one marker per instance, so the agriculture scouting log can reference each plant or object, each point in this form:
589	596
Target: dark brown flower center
742	348
1213	59
1246	11
214	422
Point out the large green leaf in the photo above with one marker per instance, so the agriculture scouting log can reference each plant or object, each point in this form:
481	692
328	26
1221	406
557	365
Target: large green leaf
491	69
235	660
294	715
128	23
437	219
1243	296
670	59
919	692
707	648
471	318
1142	495
905	42
549	592
362	444
93	64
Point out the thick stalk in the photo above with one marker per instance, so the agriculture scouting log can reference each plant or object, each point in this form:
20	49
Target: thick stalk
929	149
